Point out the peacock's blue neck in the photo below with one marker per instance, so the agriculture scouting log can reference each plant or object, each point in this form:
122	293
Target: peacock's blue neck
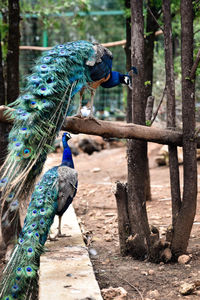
67	156
115	79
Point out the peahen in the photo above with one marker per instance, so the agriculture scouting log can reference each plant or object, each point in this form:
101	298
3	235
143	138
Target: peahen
52	195
40	110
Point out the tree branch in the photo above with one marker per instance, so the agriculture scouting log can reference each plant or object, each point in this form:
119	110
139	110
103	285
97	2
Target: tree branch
114	129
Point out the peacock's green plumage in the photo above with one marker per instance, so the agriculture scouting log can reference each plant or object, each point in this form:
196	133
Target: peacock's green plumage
52	195
40	111
20	275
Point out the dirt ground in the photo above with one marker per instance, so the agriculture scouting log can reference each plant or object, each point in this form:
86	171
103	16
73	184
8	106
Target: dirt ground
96	209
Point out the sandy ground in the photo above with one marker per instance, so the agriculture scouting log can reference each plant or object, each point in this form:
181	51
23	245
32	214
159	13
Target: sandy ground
96	209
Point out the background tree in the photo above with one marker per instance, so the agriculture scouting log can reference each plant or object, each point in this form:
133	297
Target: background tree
187	210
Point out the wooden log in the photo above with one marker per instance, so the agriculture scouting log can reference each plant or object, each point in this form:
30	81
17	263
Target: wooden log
119	130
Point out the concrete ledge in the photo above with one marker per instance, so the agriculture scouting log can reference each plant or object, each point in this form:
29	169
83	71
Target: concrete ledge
66	272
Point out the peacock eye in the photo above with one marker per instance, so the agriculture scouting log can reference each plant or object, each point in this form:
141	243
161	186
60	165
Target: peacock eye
49	80
27	152
43	88
33	104
44	67
28	269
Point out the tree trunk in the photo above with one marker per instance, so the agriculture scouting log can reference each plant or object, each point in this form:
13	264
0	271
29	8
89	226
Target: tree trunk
151	28
2	84
13	51
171	110
137	150
11	227
128	62
186	215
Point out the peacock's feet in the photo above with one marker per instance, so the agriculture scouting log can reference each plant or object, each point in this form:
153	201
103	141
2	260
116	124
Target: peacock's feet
79	115
91	117
53	238
61	235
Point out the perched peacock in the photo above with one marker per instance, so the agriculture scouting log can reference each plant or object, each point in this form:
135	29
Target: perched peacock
40	110
52	195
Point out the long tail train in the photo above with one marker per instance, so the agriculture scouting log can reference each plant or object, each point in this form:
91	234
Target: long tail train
52	195
39	113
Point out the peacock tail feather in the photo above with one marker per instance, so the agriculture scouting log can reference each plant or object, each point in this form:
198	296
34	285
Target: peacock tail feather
39	113
20	275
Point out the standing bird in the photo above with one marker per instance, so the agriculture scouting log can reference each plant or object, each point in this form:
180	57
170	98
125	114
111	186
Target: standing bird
40	110
52	195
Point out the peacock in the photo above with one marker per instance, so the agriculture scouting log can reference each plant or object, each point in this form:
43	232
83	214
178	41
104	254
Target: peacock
41	108
52	195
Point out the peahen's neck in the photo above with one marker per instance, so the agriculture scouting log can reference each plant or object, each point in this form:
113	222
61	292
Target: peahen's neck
115	79
67	157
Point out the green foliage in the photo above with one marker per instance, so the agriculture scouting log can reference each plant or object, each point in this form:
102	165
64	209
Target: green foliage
148	82
148	123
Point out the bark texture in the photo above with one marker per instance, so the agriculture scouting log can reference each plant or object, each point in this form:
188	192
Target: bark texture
171	110
186	215
13	51
137	150
2	84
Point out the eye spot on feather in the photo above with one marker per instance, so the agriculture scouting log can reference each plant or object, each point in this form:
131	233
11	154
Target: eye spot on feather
30	251
52	52
29	233
42	211
43	67
14	204
21	241
3	180
42	222
27	152
10	197
18	144
33	104
15	288
27	97
19	271
35	79
37	235
47	58
43	89
61	46
50	80
29	271
34	212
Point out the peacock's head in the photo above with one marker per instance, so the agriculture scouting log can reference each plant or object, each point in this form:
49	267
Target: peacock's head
66	136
